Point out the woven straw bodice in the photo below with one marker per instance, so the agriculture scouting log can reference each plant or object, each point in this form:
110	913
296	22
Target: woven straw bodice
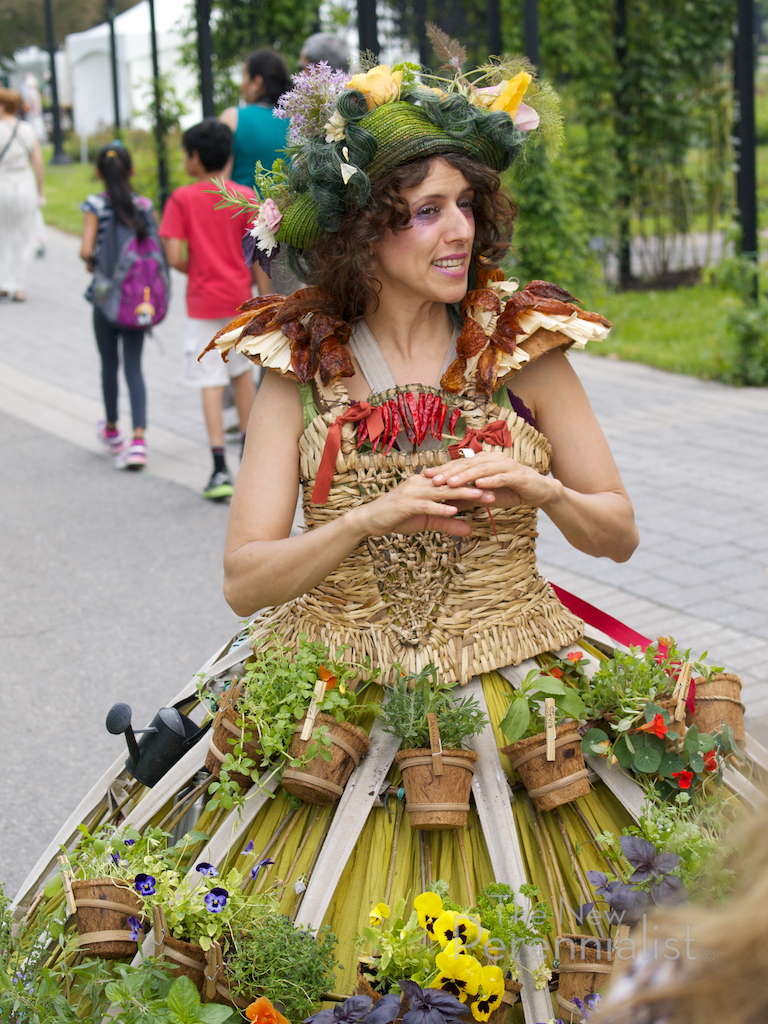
468	604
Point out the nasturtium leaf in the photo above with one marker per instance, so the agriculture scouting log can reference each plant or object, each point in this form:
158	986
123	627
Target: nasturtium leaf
622	752
595	742
646	760
670	762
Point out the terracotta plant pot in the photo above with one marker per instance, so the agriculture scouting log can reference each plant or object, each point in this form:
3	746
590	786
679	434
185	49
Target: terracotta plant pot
320	781
719	701
437	802
219	745
551	783
585	966
103	908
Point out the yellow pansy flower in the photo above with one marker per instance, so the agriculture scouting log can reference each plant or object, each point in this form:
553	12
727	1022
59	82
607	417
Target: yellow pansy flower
379	912
379	85
429	907
492	989
451	925
511	96
457	973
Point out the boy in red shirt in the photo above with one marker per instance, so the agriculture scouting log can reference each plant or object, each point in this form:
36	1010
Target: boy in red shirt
218	282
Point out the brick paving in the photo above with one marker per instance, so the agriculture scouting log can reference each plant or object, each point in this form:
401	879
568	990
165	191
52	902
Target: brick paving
693	454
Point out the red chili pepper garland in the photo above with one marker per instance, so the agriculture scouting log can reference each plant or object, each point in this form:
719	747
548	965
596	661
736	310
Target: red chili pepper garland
413	405
417	416
362	432
395	425
421	429
453	420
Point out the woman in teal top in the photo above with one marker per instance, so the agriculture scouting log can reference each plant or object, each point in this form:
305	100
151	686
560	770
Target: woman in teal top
258	134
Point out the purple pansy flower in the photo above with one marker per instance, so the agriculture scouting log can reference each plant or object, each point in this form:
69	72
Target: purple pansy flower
129	842
262	864
216	900
248	848
207	869
115	857
144	884
136	928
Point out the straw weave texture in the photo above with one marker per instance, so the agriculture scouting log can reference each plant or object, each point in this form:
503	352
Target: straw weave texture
468	604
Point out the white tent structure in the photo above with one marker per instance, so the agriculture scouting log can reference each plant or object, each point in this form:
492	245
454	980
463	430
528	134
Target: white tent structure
91	77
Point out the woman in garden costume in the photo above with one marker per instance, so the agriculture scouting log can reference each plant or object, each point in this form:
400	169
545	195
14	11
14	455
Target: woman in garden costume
407	348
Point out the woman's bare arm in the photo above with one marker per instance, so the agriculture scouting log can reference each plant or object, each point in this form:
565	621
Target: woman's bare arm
36	159
263	565
584	496
90	227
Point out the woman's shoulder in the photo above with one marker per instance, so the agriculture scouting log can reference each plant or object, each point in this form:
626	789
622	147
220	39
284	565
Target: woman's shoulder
26	133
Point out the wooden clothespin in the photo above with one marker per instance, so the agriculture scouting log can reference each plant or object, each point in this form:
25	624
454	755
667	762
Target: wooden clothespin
158	929
66	881
309	721
551	728
214	967
435	743
682	686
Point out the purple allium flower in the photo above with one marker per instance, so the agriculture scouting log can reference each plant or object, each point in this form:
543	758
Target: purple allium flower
216	900
144	884
136	928
206	869
311	102
262	864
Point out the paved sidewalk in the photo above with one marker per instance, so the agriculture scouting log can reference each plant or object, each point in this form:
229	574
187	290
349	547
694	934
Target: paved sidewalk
693	454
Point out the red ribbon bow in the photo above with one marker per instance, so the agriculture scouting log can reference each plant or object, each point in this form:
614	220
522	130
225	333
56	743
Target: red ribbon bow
496	432
356	412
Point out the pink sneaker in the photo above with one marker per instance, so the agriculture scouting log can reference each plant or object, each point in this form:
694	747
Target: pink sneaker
133	457
115	442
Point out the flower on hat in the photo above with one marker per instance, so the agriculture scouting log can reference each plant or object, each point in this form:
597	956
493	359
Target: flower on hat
508	97
379	85
511	95
335	128
266	224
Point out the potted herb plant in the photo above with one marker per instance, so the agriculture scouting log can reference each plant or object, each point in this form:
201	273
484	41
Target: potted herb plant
271	955
549	783
410	701
98	876
279	691
392	947
652	881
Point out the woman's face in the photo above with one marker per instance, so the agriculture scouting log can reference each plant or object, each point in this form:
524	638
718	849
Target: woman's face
429	259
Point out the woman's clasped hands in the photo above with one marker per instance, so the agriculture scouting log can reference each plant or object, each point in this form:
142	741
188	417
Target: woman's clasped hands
431	499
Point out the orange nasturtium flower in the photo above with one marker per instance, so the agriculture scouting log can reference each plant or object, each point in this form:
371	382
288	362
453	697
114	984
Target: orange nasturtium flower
575	656
327	677
710	760
684	778
263	1012
658	727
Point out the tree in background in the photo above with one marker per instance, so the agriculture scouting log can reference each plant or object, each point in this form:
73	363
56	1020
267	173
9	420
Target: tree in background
22	22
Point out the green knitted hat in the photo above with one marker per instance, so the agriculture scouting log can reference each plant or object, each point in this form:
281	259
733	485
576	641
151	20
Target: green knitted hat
384	138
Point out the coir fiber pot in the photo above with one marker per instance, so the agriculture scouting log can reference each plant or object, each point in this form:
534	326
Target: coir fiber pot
364	988
219	745
437	802
718	701
585	966
103	906
321	781
551	783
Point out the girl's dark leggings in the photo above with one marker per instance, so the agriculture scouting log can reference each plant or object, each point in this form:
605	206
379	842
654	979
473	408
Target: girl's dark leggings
107	335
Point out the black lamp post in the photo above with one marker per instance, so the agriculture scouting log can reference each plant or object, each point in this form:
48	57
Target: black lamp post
162	164
59	156
367	26
113	65
531	27
744	131
204	56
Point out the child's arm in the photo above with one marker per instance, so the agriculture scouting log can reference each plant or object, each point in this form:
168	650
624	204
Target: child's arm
261	279
90	228
174	253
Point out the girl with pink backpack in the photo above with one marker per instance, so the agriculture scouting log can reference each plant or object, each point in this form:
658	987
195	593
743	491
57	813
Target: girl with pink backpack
129	293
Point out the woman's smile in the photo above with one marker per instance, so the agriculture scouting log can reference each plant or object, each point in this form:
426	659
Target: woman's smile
429	259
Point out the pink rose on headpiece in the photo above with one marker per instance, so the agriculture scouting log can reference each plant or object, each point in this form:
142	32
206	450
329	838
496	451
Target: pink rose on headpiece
270	216
526	118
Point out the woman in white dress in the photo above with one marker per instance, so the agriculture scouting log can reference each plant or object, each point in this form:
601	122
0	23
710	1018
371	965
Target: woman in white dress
21	193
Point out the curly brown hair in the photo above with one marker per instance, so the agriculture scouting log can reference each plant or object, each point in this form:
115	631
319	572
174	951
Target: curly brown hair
342	266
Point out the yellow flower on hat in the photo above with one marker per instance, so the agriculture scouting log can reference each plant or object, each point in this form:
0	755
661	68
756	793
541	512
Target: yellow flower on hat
492	989
457	973
379	85
379	912
511	96
429	907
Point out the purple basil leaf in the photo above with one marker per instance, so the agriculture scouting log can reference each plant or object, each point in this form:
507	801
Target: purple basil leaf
597	878
629	902
670	892
384	1011
584	909
321	1017
639	852
352	1009
664	863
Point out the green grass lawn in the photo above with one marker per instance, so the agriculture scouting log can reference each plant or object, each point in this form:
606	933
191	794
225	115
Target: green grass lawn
680	330
66	186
